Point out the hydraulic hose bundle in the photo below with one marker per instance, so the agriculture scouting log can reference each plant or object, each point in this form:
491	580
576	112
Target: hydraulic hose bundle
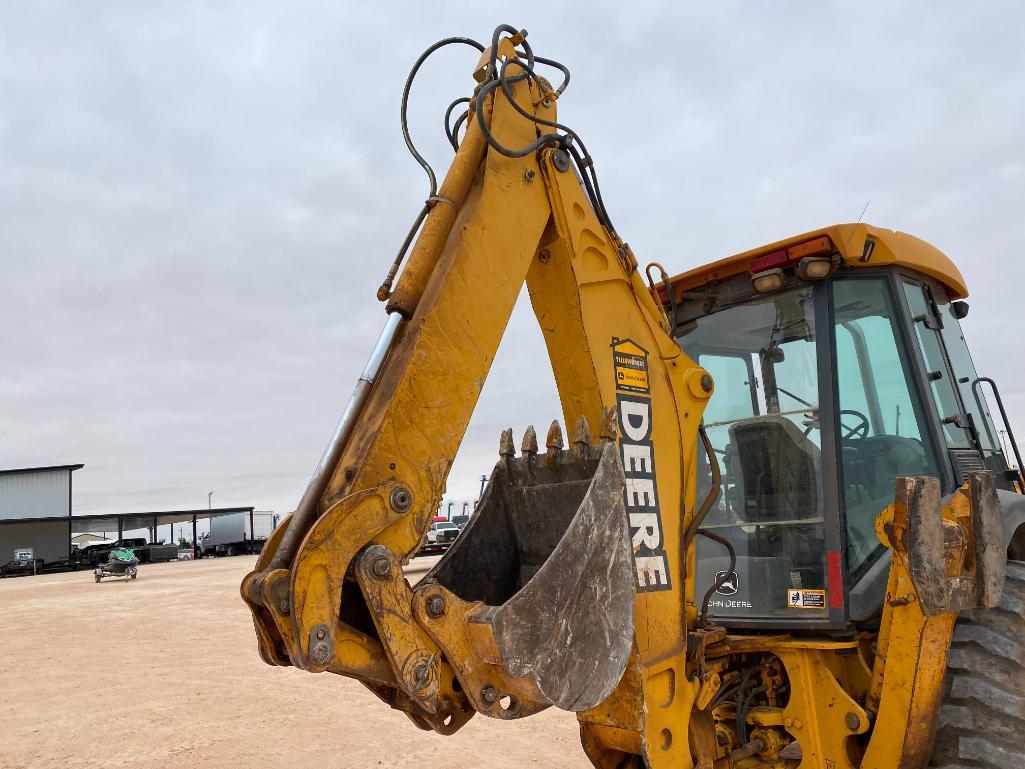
497	78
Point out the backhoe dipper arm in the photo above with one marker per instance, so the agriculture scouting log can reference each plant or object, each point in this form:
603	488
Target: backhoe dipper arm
327	593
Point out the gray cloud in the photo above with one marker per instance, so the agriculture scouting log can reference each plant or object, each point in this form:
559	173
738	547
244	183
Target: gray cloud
197	202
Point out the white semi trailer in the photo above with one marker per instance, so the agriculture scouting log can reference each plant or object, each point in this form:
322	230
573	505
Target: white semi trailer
239	533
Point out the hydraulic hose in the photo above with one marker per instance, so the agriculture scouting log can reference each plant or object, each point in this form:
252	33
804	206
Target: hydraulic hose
385	289
703	616
713	492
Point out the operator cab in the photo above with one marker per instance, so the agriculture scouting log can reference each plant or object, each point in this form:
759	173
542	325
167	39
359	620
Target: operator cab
839	366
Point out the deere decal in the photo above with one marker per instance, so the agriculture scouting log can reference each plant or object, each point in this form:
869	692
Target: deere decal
633	407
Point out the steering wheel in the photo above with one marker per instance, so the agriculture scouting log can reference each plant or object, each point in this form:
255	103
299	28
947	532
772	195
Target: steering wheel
859	431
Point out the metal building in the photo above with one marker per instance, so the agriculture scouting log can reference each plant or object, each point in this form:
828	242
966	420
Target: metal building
35	511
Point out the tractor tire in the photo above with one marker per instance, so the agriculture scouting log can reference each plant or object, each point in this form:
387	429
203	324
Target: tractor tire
982	718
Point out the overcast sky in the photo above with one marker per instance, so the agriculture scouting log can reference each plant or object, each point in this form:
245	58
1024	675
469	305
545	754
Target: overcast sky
199	200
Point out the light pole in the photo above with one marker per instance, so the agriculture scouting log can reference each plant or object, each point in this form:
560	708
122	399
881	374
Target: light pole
210	501
1003	445
483	480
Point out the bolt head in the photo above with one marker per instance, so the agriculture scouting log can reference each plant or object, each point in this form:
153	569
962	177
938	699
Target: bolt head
706	383
436	605
320	653
283	606
381	567
852	721
320	635
420	673
401	499
560	159
529	174
489	695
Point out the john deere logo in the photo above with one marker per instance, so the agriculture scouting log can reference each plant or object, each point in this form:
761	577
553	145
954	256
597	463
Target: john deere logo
730	586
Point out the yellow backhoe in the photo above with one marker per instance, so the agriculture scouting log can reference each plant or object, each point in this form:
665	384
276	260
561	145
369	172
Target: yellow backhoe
779	530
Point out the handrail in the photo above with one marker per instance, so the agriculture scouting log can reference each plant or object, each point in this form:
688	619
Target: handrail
1003	417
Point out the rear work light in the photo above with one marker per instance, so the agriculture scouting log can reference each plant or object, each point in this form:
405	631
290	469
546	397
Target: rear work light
770	280
814	258
814	268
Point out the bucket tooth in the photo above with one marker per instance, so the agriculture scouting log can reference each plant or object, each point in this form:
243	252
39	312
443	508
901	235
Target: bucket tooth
608	429
505	444
506	448
529	445
581	438
554	443
529	451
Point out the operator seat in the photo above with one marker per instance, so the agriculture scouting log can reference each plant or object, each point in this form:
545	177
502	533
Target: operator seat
776	466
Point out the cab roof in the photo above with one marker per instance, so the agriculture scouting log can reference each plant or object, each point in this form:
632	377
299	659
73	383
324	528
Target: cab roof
850	241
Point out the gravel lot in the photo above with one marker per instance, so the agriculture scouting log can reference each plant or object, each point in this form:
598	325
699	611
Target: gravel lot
164	672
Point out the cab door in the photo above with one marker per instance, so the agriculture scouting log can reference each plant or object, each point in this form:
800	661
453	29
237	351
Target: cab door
971	438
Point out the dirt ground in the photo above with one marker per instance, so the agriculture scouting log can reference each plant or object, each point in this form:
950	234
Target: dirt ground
164	672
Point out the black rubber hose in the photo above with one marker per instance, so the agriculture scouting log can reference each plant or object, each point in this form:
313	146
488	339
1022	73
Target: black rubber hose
456	126
504	81
547	139
703	617
561	67
713	492
584	163
586	166
722	695
589	178
745	678
405	102
512	32
742	707
384	291
449	130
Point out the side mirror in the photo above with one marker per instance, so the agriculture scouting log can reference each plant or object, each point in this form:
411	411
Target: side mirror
959	309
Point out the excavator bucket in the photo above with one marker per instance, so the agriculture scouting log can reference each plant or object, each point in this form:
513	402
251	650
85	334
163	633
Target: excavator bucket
545	564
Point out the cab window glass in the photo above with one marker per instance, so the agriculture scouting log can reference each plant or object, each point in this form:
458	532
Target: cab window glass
763	423
881	432
941	384
974	399
733	397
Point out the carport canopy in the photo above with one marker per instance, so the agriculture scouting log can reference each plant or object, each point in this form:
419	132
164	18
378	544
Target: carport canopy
121	523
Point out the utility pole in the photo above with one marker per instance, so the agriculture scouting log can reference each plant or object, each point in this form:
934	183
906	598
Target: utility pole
483	480
1003	446
210	501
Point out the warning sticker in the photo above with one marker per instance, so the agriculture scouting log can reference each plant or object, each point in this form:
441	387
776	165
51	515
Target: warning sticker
806	599
631	364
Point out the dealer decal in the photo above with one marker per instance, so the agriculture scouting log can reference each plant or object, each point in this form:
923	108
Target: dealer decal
633	407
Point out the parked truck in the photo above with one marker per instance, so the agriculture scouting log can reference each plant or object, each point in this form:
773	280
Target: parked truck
238	533
147	552
24	562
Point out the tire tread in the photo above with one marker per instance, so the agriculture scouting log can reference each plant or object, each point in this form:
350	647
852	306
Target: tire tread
982	718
